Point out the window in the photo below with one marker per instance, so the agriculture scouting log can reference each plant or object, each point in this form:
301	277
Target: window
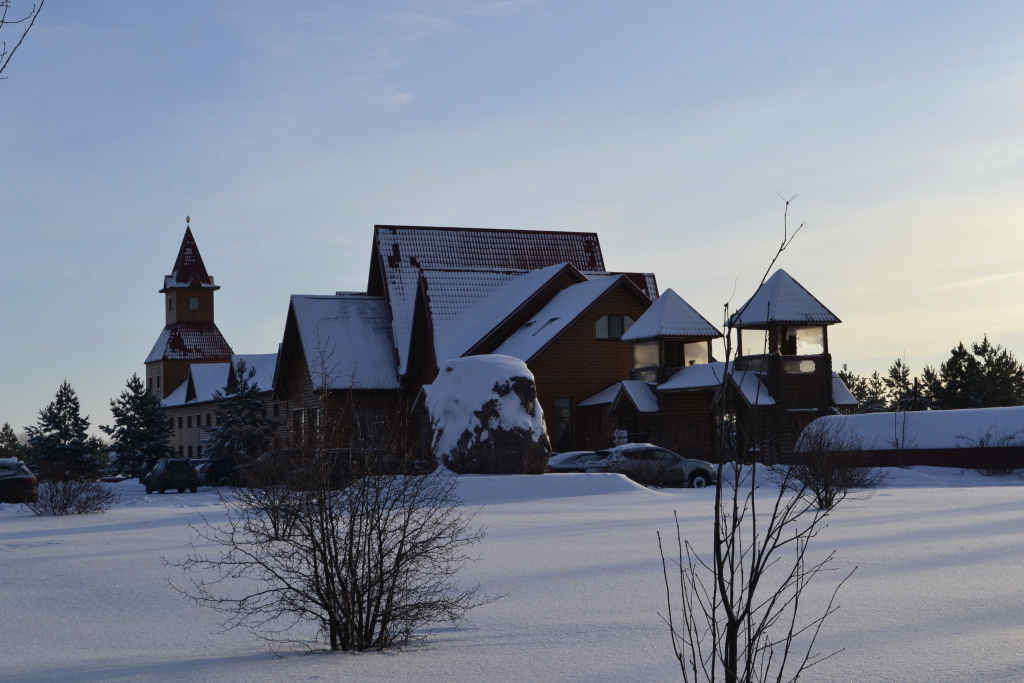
695	354
158	382
369	427
193	303
563	424
199	451
207	419
172	423
646	354
170	303
190	451
181	451
298	427
804	341
188	419
612	326
277	410
179	422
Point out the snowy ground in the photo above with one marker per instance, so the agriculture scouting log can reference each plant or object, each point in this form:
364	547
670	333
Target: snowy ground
938	596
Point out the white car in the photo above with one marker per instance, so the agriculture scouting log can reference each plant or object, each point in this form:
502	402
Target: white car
573	461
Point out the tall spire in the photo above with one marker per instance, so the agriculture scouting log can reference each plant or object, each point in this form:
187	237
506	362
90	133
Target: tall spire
188	267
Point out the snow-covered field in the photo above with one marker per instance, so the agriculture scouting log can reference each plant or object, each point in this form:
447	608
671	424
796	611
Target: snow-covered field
938	595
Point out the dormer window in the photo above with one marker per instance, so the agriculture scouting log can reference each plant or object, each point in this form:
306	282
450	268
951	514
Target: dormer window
612	326
193	303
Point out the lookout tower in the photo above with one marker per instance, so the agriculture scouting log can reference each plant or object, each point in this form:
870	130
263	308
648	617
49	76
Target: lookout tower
190	334
782	340
670	335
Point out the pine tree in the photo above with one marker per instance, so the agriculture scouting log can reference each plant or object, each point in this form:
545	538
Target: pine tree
986	376
899	386
59	444
10	447
243	430
140	431
876	396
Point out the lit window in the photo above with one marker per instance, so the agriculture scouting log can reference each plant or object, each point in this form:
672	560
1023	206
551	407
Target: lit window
563	424
646	354
193	303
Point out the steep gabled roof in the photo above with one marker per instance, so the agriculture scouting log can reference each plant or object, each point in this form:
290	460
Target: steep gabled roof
402	252
638	394
188	267
710	376
670	316
346	341
205	379
188	340
563	309
781	299
465	306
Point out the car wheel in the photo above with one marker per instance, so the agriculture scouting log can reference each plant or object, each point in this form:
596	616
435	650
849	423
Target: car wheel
161	490
194	489
224	481
699	479
149	490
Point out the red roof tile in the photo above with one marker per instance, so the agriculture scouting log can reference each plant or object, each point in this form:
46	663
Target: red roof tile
190	341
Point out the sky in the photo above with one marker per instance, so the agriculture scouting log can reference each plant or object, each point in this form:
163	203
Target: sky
287	130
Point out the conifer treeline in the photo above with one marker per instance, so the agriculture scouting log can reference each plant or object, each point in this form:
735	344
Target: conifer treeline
985	375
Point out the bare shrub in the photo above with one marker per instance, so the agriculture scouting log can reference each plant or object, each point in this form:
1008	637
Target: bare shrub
997	464
738	613
349	544
72	497
827	465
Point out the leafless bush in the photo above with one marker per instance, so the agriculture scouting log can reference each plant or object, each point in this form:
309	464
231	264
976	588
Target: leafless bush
738	613
347	541
997	463
71	497
828	465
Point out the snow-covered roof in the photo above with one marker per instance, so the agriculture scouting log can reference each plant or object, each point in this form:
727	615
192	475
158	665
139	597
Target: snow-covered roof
190	341
781	299
403	251
933	428
606	395
645	282
205	379
841	395
639	394
559	313
709	376
176	397
670	316
466	305
188	267
697	376
346	338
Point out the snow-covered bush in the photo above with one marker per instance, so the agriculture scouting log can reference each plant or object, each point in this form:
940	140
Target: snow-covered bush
72	497
486	417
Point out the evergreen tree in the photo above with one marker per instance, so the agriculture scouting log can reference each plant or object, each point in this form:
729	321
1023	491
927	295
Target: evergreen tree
10	447
59	444
870	392
986	376
140	431
243	430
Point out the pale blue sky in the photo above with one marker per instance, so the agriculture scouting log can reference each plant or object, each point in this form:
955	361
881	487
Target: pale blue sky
287	130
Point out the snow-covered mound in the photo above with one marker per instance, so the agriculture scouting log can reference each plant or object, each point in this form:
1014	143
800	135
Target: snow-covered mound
933	428
486	418
479	489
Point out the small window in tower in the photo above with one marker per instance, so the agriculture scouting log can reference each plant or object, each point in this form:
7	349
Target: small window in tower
170	303
189	420
193	303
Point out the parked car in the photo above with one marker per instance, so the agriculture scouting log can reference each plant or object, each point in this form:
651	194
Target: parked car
218	472
653	465
172	473
573	461
147	467
17	483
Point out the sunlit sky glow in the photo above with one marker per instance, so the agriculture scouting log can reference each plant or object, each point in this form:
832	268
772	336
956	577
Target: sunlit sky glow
287	130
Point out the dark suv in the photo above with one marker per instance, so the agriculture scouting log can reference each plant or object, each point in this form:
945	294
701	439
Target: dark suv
17	483
172	473
219	472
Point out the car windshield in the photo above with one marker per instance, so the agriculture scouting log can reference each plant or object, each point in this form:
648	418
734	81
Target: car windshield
178	465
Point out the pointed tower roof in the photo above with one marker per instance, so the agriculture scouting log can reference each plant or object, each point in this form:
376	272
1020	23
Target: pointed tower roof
670	316
782	300
188	267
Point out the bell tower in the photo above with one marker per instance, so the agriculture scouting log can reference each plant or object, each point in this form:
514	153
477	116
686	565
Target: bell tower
190	334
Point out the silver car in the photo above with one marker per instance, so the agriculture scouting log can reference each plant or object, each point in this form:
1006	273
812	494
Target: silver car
652	465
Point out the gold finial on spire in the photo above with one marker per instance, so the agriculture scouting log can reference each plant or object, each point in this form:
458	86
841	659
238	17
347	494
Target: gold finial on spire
187	219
